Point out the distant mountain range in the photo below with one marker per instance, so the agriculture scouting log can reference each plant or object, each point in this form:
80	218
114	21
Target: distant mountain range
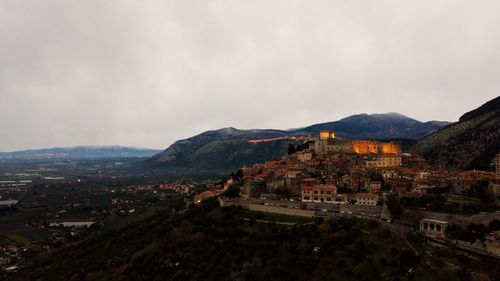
229	148
80	152
471	143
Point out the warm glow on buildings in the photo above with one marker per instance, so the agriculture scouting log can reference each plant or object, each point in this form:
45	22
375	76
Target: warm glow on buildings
389	148
326	143
364	146
325	134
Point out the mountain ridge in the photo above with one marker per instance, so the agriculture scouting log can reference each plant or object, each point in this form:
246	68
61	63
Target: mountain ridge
80	152
470	143
229	148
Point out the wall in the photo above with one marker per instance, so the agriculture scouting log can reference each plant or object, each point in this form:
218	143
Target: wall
281	210
462	220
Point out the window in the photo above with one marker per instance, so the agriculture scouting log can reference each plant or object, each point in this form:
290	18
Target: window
316	198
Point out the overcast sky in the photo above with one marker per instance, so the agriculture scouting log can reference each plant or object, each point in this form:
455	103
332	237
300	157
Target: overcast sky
147	73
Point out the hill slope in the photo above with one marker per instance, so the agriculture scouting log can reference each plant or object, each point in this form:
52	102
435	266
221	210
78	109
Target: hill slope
470	143
227	149
80	152
223	149
210	243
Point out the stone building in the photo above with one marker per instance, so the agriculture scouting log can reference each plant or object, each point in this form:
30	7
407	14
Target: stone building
384	161
319	193
366	199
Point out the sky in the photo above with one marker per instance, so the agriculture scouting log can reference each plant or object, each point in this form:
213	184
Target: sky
147	73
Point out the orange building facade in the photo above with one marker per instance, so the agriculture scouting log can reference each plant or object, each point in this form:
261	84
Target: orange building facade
326	143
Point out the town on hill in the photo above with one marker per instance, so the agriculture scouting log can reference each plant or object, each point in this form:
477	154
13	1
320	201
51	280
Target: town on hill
329	177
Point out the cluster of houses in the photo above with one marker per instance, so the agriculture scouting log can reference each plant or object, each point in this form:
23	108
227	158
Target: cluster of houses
361	172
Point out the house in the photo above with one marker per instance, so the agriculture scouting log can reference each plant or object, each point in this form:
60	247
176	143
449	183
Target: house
373	186
304	156
384	161
366	199
8	203
319	193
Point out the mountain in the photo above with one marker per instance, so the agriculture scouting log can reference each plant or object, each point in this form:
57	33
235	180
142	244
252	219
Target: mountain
471	143
378	126
229	148
223	150
79	152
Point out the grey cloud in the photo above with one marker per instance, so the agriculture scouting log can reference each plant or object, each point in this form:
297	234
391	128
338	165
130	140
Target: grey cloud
146	73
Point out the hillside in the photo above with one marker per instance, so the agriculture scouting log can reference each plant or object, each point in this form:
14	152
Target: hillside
79	152
227	149
210	243
222	150
471	143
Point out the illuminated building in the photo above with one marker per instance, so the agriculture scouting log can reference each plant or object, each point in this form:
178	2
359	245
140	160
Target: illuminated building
327	143
325	134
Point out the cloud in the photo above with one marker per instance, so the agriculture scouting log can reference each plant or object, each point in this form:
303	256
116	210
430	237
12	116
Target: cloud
147	73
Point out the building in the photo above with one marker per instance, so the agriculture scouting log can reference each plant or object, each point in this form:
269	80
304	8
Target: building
8	203
374	187
366	199
327	143
84	224
384	161
497	166
304	156
292	181
325	134
319	193
433	228
365	146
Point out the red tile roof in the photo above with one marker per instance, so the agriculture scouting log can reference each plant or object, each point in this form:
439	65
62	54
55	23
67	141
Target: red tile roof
366	195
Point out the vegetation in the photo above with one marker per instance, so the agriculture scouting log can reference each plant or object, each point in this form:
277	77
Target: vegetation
210	243
468	144
473	231
451	203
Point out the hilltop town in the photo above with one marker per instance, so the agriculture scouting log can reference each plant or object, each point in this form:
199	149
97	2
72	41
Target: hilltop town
327	177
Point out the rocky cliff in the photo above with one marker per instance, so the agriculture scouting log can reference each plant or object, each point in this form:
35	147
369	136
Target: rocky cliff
471	143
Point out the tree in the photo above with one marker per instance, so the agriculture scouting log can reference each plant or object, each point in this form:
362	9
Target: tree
394	206
291	149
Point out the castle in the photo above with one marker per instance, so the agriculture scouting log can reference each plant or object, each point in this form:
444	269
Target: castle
327	143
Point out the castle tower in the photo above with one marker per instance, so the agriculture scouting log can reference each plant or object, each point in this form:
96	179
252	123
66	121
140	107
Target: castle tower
326	134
